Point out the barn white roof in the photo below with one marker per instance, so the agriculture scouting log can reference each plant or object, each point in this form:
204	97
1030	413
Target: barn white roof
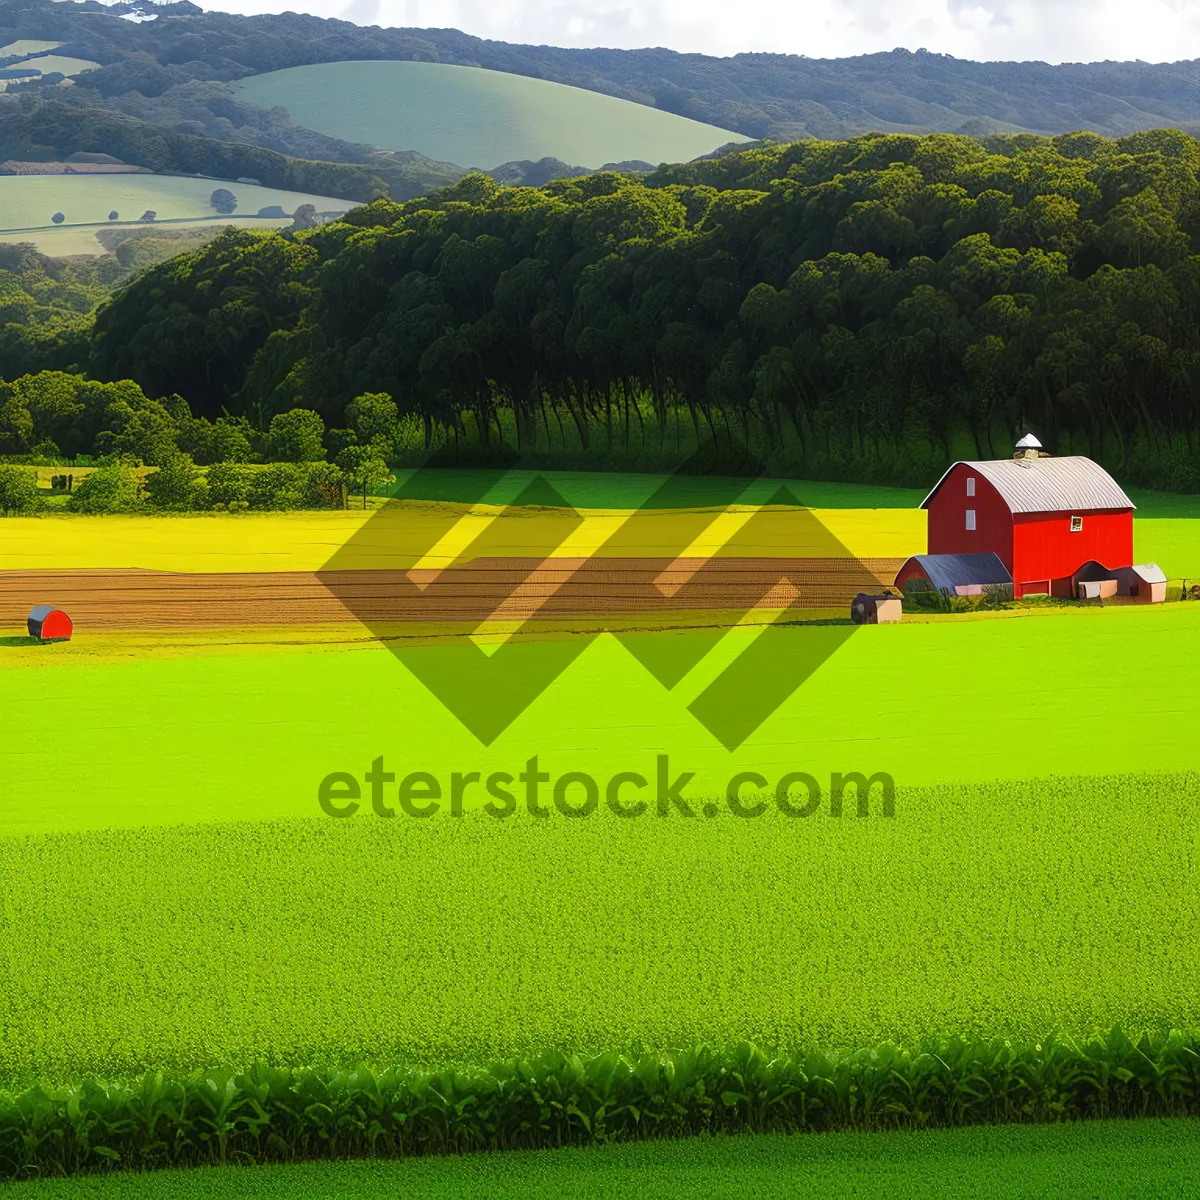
1040	485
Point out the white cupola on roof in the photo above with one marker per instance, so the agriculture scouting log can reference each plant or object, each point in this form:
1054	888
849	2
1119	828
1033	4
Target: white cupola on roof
1028	447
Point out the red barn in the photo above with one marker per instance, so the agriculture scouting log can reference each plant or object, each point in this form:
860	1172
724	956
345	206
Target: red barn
1043	517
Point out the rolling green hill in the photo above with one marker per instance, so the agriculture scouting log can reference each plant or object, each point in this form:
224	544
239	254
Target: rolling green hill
28	201
476	117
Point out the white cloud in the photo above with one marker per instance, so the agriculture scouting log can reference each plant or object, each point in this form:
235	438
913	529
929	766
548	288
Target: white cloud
1054	30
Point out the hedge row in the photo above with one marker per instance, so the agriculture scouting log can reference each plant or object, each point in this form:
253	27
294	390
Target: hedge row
276	1114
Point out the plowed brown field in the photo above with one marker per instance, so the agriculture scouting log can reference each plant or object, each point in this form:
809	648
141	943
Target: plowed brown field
490	589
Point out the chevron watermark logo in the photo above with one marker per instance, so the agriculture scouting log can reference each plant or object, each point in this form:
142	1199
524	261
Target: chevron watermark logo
512	595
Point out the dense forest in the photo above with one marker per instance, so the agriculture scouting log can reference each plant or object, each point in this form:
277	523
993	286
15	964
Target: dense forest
866	309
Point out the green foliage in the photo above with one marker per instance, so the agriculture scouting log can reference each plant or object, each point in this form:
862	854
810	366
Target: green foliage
177	486
296	436
291	485
366	468
143	430
80	416
18	491
868	309
223	200
79	121
229	484
270	1114
45	306
112	489
226	440
373	416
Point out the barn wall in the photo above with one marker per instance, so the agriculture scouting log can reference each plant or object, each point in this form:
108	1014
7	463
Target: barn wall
1044	548
948	512
910	570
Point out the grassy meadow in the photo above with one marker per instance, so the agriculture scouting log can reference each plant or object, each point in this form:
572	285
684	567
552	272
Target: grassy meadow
287	708
1127	1160
27	202
24	46
59	241
475	117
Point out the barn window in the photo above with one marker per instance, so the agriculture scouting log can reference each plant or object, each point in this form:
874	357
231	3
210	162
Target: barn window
970	519
971	485
1076	524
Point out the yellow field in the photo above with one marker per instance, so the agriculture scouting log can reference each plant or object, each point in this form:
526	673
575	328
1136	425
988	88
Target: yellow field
399	538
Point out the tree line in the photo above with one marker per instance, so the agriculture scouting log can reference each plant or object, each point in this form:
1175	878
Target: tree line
863	309
32	126
55	418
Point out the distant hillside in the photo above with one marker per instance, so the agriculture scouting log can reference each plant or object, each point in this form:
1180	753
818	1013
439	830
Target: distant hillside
179	73
759	95
474	117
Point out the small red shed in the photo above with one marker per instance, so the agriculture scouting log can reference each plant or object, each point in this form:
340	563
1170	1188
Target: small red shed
50	624
1043	517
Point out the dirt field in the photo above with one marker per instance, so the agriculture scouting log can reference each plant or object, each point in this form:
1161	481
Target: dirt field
484	590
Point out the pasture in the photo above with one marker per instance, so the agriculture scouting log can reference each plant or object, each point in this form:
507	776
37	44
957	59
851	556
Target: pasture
475	117
25	46
27	202
49	63
59	241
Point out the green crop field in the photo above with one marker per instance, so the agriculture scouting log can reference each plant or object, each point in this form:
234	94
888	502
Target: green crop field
1009	910
477	118
29	201
1002	906
274	982
1132	1160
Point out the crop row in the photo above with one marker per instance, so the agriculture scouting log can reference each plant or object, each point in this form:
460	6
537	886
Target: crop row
268	1114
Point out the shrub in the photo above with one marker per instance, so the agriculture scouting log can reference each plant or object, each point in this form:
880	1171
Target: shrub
296	436
297	485
149	215
58	218
112	489
177	486
229	484
114	215
278	487
18	491
324	486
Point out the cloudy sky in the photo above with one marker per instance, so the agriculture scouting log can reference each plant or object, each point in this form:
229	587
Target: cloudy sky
1054	30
